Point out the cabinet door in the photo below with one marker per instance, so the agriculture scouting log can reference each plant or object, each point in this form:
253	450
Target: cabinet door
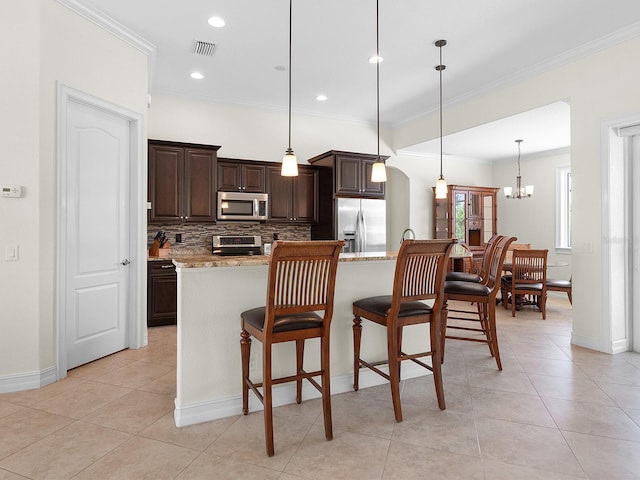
166	169
280	193
369	187
200	181
161	294
229	177
305	208
460	215
348	175
253	178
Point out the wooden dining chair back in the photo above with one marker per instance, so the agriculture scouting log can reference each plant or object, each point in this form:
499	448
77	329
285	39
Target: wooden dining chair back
529	278
483	271
300	286
419	275
483	295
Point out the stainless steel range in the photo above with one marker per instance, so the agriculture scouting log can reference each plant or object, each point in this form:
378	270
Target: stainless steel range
236	245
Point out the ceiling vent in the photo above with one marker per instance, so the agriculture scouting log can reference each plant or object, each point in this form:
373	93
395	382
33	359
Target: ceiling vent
204	48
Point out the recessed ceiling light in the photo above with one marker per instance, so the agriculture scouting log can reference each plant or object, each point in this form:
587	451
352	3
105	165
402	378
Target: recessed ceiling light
216	22
280	68
376	59
321	98
197	75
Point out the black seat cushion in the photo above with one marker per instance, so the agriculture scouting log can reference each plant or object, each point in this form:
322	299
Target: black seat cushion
283	323
466	288
462	277
506	279
552	282
380	306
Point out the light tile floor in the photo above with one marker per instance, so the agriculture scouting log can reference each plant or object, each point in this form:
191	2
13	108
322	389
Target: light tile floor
555	412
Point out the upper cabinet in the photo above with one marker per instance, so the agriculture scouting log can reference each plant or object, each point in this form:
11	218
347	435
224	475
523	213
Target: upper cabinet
241	176
352	173
293	199
468	214
182	182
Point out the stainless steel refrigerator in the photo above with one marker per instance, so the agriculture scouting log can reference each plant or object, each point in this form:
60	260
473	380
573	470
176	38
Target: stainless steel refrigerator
362	223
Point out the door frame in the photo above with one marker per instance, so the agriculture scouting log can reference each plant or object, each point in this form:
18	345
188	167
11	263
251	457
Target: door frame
617	255
136	311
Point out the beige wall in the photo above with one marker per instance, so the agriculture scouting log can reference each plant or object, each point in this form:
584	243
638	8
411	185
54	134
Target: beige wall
43	42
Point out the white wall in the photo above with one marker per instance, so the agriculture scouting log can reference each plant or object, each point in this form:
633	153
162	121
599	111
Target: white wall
42	42
533	220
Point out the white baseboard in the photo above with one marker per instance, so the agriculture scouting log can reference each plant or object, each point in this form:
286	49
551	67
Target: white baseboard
284	394
27	381
619	346
586	342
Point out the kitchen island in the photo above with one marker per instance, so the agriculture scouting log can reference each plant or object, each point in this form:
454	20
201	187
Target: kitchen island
214	290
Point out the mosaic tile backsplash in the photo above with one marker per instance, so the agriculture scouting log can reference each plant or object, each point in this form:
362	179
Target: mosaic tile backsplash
197	238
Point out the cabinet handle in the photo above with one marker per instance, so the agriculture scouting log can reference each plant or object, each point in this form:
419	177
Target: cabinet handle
166	266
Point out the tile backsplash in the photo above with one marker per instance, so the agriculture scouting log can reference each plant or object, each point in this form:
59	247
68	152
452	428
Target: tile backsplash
197	237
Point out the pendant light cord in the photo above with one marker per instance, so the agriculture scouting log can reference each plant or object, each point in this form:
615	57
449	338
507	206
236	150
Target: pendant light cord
378	76
290	41
440	68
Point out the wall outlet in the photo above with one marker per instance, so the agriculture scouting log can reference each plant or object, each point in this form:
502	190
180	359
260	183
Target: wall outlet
178	238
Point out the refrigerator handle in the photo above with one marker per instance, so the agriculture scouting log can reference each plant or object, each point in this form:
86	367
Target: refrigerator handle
362	231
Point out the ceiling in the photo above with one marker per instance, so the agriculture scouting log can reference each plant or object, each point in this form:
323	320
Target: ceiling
490	42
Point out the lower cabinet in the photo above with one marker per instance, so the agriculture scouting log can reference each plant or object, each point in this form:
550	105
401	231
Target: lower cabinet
161	293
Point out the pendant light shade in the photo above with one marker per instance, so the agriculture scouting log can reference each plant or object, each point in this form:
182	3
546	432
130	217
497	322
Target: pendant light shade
441	183
378	170
289	161
520	192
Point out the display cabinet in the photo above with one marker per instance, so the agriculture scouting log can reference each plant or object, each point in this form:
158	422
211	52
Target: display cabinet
468	214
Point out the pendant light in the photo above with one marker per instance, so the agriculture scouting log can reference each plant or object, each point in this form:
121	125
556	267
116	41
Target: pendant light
520	192
289	161
378	170
441	184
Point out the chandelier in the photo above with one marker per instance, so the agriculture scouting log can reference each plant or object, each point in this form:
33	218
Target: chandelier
521	192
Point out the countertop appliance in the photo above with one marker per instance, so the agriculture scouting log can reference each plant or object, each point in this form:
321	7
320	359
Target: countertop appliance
362	223
242	206
236	245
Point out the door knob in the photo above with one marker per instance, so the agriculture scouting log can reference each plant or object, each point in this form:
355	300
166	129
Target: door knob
125	262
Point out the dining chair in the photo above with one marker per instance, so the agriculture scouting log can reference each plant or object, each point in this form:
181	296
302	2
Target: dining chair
484	267
419	275
528	280
557	285
300	285
483	319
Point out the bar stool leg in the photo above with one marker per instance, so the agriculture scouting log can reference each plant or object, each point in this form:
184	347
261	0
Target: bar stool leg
245	353
326	387
357	337
268	400
299	362
394	371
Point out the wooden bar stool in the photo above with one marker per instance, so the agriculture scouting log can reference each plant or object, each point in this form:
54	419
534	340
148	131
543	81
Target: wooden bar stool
419	275
483	319
301	283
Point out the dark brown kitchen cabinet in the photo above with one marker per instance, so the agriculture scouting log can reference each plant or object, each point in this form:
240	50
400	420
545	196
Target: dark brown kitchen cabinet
241	176
352	173
182	182
293	199
161	293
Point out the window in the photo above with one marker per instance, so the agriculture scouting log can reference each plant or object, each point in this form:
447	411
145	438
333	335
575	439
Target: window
563	210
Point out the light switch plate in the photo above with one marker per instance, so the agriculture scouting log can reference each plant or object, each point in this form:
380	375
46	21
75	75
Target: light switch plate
10	191
11	253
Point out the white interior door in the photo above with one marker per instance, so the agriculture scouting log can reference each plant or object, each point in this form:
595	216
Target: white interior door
634	160
97	233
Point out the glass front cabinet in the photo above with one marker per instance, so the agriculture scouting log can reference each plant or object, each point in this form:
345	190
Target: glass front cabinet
468	214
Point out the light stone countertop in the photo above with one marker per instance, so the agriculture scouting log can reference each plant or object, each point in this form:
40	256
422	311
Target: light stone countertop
207	261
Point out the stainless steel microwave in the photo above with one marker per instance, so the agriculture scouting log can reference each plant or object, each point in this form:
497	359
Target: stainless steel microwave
242	206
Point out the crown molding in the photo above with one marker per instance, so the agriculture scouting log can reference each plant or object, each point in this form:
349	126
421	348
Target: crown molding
110	25
589	48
